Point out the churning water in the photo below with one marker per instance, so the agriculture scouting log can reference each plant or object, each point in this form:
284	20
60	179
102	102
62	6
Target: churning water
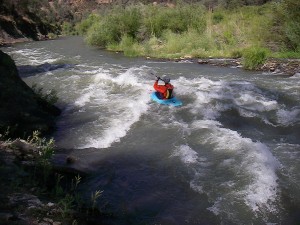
229	155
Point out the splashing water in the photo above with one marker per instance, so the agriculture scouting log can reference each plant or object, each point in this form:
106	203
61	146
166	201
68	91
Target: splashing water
229	155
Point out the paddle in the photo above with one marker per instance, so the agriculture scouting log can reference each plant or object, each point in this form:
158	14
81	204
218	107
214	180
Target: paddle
157	77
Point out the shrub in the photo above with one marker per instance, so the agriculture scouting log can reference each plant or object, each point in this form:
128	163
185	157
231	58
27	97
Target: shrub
113	26
158	19
217	17
254	57
84	26
236	54
286	23
129	46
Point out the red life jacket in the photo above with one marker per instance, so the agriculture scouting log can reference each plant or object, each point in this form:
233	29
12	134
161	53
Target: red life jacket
166	90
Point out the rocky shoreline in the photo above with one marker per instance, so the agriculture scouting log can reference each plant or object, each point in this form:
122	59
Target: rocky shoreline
20	203
287	67
32	194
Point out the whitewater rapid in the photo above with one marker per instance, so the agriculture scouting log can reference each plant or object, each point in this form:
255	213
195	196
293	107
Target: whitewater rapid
234	140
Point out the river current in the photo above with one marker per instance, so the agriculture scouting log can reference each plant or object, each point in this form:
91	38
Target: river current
229	155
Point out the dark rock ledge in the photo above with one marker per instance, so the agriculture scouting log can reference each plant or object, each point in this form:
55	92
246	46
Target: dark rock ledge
21	110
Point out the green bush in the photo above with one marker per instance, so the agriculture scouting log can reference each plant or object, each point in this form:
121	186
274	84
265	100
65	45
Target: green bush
254	57
217	17
68	28
141	22
111	27
193	31
84	25
157	19
291	17
129	46
236	54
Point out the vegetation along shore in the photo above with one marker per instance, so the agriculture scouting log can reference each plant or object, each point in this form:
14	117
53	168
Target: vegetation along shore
258	34
254	34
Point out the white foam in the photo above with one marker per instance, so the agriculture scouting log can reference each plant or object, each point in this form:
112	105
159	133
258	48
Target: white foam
255	102
125	101
36	56
258	165
211	98
186	154
286	117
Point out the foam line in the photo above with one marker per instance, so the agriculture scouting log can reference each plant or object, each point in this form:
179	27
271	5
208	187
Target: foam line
258	164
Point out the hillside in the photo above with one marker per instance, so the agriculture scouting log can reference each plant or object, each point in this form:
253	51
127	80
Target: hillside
38	20
22	20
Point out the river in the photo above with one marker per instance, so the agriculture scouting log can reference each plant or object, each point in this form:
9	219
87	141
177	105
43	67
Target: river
229	155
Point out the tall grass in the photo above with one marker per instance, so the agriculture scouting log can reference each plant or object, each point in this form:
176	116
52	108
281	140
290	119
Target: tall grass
254	57
187	30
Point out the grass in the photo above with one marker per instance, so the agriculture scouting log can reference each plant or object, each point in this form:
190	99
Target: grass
193	31
254	57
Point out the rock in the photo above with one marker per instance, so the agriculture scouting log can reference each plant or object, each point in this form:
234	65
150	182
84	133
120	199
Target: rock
50	204
281	66
22	110
24	147
44	223
27	200
56	223
70	159
48	220
203	61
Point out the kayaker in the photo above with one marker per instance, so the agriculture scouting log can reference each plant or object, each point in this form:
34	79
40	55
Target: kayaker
165	91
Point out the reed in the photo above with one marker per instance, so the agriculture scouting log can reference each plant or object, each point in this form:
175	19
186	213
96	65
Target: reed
254	57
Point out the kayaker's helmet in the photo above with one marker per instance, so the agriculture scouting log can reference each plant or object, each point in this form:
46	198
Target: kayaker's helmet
166	80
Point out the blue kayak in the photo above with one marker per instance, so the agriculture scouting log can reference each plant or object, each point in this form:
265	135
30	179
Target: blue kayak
172	101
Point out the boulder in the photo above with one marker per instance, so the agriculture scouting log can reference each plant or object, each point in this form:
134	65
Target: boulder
22	110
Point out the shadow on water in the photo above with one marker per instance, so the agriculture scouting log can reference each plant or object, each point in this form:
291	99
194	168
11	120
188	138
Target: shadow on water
31	70
136	189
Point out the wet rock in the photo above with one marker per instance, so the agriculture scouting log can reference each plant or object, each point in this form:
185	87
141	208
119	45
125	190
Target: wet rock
27	200
50	204
71	159
203	61
281	66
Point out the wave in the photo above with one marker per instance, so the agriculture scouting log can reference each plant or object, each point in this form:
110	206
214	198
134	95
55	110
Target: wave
243	171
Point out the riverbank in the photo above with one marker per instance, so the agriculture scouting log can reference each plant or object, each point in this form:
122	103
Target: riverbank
35	192
287	67
275	66
23	200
